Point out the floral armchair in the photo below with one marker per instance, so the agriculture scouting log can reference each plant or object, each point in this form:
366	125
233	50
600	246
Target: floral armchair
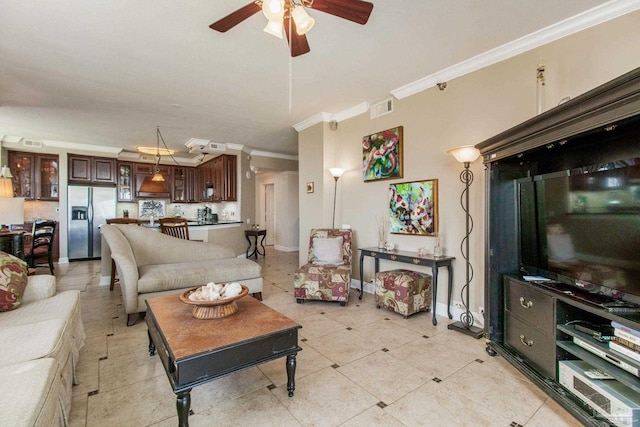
327	275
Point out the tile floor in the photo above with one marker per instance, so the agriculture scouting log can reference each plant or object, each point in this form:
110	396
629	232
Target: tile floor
360	366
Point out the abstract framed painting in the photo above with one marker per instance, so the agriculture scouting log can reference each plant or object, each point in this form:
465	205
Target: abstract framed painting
413	208
382	155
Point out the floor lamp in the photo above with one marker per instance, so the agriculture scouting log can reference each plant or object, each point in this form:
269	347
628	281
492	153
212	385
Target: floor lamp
336	173
466	155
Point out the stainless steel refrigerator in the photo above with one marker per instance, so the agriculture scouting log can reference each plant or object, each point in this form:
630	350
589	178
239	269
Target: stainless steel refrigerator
89	207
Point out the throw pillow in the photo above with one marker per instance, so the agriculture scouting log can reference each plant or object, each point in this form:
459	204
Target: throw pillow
328	251
13	281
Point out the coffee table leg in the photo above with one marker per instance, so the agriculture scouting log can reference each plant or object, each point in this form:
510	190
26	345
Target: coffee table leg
152	346
183	403
291	373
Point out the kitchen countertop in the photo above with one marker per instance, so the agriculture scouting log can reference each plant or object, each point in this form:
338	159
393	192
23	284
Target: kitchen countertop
192	223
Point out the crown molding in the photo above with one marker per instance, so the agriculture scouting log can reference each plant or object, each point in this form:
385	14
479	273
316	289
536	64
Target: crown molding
81	147
273	155
574	24
313	120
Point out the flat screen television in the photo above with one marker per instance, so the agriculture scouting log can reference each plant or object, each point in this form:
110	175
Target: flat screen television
581	227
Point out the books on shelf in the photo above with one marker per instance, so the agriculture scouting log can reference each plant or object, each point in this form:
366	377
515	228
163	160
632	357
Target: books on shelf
628	344
613	345
620	327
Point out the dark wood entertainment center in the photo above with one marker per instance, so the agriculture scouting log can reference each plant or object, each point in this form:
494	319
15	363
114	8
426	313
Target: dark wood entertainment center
528	323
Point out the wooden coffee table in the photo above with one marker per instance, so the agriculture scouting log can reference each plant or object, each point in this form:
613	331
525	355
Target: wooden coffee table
195	351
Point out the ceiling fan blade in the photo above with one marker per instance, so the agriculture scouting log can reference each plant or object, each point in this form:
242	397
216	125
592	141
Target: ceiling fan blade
357	11
233	19
299	44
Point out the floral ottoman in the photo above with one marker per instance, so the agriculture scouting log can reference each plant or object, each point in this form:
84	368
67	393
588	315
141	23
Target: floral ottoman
403	291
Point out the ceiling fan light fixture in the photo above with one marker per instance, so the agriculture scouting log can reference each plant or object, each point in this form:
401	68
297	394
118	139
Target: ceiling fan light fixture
303	21
274	28
273	9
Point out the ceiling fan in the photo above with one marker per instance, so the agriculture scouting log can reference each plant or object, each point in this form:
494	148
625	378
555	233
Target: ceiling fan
292	16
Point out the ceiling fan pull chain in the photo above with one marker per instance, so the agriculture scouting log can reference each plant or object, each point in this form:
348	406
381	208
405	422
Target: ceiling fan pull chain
290	67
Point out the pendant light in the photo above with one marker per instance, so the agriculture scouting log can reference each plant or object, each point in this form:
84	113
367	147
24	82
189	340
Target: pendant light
155	183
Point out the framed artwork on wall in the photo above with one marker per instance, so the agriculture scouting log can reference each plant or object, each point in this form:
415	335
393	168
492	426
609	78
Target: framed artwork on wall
413	208
147	208
382	155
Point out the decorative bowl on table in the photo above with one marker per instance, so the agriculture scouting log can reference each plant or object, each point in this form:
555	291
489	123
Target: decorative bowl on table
213	309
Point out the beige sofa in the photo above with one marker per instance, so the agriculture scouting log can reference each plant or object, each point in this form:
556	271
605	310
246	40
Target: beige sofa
41	341
151	264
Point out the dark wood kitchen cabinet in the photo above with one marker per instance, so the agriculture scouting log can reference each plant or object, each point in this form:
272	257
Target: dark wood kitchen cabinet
184	183
35	176
92	170
217	180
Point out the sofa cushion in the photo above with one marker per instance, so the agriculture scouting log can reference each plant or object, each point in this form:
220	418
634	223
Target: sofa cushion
40	286
162	277
33	400
13	281
49	338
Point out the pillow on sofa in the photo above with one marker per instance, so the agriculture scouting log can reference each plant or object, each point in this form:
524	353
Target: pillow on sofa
328	251
13	281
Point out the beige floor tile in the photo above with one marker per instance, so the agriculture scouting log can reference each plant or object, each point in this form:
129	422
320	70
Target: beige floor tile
98	328
134	339
343	346
433	405
319	325
78	415
130	368
138	404
490	386
552	414
325	398
207	396
384	376
387	334
87	377
259	408
436	358
373	417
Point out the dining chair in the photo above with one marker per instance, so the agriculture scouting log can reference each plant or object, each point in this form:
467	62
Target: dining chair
42	235
113	263
176	227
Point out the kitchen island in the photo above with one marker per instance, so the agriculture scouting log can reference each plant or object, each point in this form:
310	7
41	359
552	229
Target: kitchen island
225	233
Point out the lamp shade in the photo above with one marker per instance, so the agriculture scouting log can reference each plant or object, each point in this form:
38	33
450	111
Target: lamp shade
274	28
303	21
11	210
465	153
6	187
150	186
336	172
273	9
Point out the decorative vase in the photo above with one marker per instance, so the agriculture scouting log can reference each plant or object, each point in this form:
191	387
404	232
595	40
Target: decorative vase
381	244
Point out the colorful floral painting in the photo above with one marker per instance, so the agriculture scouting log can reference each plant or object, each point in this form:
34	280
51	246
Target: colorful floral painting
382	155
414	207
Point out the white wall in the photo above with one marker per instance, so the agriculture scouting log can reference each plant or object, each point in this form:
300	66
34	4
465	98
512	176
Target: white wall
286	210
470	110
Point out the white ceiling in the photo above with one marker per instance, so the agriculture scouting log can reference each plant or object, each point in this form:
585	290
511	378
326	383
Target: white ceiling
107	73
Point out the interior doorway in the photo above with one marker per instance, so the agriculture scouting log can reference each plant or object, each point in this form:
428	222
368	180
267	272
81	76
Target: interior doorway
269	213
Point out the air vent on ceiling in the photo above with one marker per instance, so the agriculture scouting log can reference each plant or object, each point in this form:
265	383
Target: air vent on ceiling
381	108
203	146
31	143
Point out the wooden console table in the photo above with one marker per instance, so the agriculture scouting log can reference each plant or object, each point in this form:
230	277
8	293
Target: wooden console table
12	243
412	258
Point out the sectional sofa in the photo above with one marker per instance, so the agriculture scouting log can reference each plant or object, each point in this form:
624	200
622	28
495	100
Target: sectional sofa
41	338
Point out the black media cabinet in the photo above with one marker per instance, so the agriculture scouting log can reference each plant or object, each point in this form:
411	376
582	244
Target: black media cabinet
530	324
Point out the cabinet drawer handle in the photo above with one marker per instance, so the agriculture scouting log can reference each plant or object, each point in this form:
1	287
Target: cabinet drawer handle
527	304
527	343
